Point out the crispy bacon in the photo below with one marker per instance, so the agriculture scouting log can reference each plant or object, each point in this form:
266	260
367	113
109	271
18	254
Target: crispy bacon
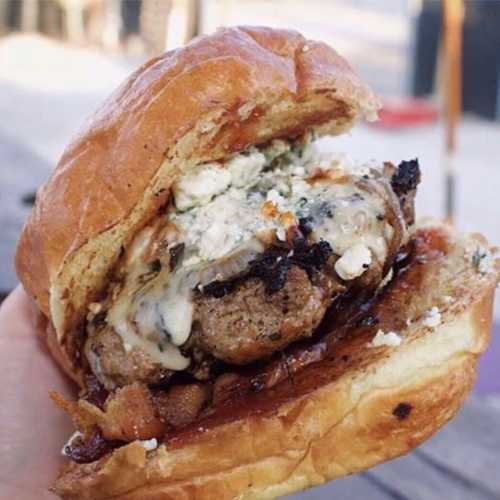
128	414
182	404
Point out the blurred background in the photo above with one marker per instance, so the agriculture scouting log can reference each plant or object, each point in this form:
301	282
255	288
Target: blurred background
436	65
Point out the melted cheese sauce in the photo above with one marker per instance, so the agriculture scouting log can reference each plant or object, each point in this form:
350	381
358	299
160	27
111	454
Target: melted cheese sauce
224	214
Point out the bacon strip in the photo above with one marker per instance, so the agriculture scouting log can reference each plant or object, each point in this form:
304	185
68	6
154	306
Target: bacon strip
128	414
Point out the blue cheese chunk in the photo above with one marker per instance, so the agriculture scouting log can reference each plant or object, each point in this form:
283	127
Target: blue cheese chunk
150	444
245	168
432	317
483	260
390	339
276	148
199	187
219	239
216	229
353	262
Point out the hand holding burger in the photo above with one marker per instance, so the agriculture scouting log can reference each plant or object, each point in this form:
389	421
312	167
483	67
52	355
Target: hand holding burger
246	316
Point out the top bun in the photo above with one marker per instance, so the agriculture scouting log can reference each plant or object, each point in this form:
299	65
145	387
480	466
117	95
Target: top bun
219	94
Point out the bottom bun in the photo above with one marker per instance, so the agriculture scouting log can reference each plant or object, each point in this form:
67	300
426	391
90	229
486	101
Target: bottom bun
359	406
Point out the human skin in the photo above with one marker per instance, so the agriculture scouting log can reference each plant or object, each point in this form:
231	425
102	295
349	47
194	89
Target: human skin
32	429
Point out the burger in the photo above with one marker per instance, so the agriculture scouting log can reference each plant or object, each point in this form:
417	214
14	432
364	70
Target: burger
245	315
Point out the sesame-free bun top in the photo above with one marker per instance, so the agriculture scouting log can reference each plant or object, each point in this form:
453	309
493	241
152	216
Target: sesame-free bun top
219	94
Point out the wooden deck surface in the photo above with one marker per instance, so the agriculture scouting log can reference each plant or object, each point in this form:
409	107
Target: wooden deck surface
461	462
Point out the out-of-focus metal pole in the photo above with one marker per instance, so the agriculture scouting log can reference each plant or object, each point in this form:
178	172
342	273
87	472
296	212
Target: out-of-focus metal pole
453	18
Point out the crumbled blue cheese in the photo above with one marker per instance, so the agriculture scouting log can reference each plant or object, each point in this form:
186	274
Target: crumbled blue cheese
281	234
306	154
277	147
345	216
274	196
344	164
354	262
483	260
432	317
200	186
219	227
245	168
150	444
219	239
299	186
391	339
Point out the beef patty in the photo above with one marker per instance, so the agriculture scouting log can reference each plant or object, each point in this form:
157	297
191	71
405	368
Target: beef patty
250	324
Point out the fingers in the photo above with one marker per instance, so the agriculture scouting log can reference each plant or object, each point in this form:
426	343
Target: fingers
33	430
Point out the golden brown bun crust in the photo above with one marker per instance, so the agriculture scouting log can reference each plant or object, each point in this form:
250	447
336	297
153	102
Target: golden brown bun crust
219	94
344	414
